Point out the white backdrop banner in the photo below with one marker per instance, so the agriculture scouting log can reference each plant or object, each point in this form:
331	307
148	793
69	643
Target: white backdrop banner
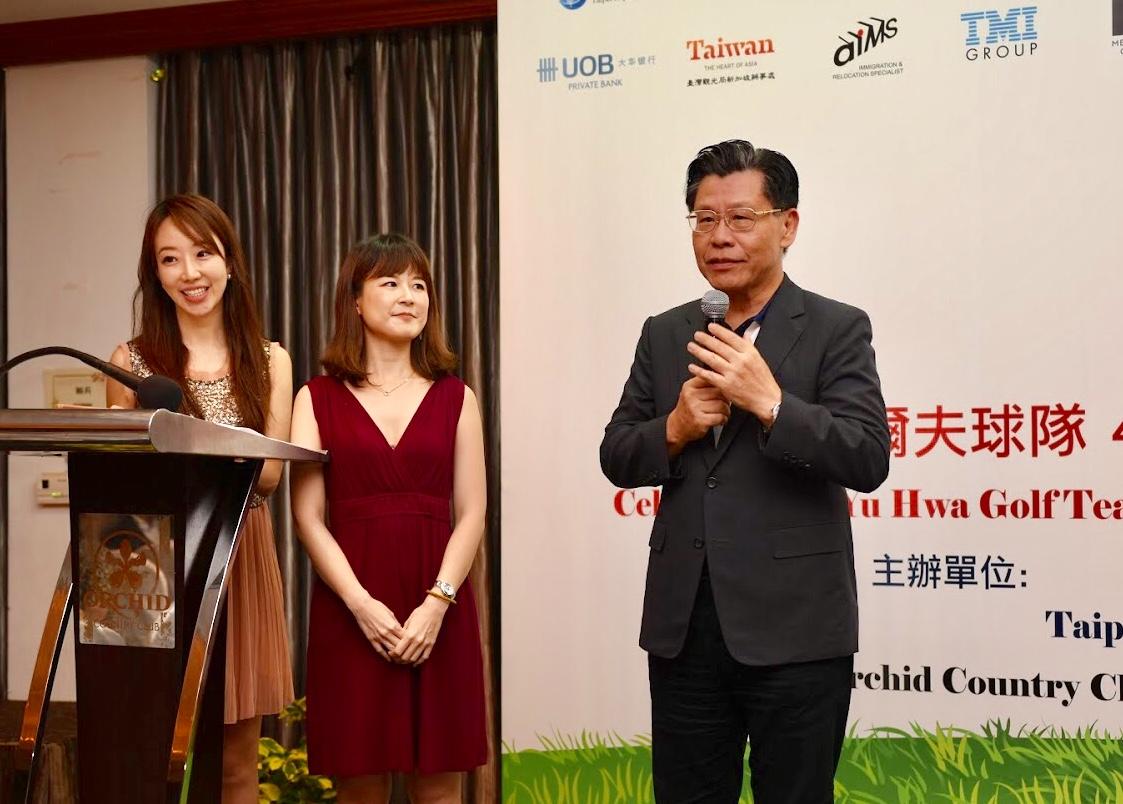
960	168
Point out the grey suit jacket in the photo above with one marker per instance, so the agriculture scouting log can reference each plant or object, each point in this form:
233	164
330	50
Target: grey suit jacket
768	511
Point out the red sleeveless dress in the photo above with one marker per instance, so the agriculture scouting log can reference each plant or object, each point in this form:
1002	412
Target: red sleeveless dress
389	510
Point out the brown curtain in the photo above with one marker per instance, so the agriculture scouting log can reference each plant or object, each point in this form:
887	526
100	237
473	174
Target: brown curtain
311	146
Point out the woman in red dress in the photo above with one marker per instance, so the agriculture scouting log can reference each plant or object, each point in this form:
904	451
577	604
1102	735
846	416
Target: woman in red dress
392	525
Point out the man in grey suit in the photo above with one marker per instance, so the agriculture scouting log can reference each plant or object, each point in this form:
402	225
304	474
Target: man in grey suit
754	431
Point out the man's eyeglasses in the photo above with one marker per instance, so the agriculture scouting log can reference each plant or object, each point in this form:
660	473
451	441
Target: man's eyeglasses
741	219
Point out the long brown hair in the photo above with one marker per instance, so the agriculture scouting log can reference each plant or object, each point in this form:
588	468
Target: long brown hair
391	254
156	326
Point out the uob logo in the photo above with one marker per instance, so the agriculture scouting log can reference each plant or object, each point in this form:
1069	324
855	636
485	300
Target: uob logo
574	66
1015	28
587	66
864	39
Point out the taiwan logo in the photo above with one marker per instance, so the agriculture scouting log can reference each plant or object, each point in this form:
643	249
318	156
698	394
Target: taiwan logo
994	34
865	38
703	50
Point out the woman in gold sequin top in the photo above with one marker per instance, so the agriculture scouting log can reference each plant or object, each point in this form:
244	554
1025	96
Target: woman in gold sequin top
196	323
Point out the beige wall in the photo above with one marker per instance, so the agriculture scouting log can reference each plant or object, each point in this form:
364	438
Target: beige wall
80	181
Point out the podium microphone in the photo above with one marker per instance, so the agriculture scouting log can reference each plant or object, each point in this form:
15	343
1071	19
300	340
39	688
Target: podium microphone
715	304
152	392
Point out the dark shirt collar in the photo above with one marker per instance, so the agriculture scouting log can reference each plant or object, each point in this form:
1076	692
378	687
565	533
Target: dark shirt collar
759	318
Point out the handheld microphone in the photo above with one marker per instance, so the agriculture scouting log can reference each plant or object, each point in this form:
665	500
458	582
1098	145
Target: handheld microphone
152	392
715	304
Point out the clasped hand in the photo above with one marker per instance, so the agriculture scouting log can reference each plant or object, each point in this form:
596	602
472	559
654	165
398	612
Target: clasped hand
408	644
732	365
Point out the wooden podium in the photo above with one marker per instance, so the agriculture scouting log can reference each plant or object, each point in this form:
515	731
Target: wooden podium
156	503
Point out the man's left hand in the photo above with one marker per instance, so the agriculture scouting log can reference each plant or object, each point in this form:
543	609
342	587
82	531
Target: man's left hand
733	365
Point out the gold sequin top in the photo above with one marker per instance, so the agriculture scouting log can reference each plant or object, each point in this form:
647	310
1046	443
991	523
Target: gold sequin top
214	397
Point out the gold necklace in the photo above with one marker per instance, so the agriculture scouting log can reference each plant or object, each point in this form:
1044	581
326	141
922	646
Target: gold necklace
392	390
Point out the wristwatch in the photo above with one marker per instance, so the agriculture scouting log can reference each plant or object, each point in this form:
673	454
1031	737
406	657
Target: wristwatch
774	413
446	589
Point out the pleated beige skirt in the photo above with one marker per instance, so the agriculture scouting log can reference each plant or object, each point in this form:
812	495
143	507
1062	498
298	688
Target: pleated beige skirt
258	663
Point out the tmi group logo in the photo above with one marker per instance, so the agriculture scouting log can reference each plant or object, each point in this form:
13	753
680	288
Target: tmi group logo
868	36
993	34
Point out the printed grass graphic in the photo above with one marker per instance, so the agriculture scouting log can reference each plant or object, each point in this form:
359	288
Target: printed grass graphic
879	766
